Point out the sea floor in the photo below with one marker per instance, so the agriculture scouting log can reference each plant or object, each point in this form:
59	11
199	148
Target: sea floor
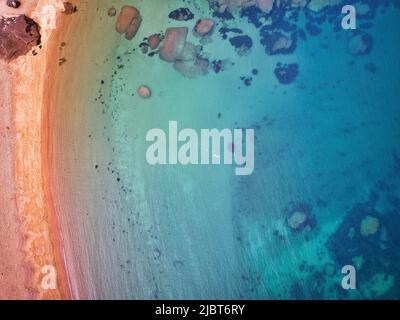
326	145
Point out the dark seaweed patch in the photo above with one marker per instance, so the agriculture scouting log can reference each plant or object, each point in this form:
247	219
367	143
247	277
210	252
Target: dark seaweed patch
286	73
181	14
242	44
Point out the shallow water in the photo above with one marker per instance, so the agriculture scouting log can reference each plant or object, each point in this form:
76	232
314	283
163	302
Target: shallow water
325	145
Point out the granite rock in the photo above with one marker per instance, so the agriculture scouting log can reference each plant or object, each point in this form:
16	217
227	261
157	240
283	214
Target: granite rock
17	36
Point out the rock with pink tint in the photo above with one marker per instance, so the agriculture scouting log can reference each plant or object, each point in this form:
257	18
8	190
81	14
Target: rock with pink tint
17	36
174	44
128	21
144	92
204	27
265	5
154	41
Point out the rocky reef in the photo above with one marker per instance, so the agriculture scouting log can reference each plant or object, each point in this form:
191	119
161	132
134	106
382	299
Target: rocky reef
18	35
286	73
13	3
299	217
204	27
369	238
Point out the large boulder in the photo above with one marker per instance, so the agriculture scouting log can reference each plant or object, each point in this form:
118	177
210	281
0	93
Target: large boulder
17	36
204	27
181	14
174	44
128	21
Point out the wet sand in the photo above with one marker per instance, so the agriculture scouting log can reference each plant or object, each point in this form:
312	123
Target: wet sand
73	128
30	237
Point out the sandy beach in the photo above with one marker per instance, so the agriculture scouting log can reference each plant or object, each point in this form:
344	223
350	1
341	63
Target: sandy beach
31	237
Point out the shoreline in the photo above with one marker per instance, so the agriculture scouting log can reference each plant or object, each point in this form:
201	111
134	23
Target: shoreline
54	219
38	222
89	39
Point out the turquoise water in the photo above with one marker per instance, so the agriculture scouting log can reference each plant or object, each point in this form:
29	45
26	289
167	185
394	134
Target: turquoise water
326	145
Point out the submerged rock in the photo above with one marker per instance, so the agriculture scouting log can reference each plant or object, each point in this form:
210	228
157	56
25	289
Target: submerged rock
128	21
194	68
369	226
277	43
174	43
297	219
154	41
112	12
221	65
360	44
17	36
144	91
13	3
265	5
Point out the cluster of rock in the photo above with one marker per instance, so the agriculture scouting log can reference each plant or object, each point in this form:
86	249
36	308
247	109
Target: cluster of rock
186	56
18	35
128	21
